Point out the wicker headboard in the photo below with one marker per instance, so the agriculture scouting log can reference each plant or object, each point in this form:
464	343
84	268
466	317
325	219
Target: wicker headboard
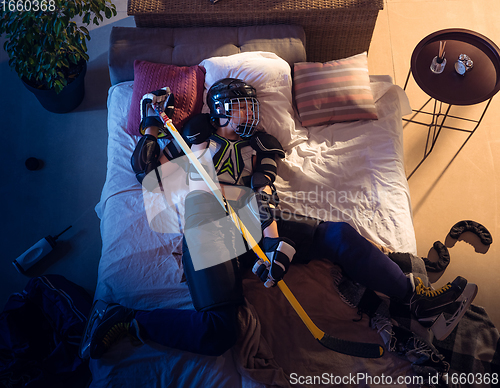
334	28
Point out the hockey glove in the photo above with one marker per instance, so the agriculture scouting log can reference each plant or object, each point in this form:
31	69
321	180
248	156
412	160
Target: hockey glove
144	160
149	118
280	252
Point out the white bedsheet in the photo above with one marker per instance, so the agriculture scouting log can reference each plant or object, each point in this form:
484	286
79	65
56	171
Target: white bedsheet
351	172
354	172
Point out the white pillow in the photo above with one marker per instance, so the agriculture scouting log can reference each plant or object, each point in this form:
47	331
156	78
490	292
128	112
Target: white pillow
271	77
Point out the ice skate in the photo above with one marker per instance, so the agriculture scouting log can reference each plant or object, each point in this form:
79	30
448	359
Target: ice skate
441	309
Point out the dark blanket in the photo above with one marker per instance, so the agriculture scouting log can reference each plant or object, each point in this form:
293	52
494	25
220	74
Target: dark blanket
467	357
277	350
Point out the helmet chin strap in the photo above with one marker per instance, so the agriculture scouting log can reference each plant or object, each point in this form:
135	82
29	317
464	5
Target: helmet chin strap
243	130
234	126
226	123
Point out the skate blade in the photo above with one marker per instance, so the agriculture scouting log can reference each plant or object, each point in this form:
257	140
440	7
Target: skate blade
443	327
97	311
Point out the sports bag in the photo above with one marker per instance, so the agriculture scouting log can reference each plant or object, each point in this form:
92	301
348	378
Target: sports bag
40	332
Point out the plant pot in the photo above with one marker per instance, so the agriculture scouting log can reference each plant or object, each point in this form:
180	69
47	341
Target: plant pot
67	100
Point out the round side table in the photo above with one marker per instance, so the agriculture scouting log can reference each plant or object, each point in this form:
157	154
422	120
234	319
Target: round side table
477	85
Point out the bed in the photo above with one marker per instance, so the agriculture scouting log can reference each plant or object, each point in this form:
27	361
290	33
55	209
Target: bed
349	171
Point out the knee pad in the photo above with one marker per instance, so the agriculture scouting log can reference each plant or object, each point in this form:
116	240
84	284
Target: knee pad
212	287
211	245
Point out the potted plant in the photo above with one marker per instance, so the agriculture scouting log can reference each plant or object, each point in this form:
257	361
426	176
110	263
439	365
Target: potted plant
48	49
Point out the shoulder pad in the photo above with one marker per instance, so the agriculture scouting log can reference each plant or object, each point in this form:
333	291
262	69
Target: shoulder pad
266	143
198	129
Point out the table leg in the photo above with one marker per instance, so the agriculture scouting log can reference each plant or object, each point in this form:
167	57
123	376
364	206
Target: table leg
433	131
434	128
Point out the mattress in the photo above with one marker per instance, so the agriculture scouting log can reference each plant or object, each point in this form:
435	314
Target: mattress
352	172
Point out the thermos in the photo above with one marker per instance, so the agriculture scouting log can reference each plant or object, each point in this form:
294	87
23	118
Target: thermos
36	253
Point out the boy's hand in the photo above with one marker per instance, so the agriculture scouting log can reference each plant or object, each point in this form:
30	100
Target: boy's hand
149	118
280	252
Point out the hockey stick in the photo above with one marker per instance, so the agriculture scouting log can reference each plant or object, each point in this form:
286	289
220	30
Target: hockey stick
357	349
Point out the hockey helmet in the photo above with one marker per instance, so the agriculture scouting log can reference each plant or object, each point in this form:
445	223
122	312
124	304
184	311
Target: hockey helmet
227	98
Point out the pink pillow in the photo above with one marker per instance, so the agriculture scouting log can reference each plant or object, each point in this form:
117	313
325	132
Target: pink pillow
334	91
185	82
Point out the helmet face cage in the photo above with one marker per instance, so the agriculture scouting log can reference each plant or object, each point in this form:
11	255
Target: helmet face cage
245	112
234	100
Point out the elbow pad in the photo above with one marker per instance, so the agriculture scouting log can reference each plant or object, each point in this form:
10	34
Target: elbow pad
267	144
260	179
266	204
145	158
267	166
268	151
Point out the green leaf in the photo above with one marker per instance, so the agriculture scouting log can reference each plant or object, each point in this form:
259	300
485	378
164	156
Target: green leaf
58	27
59	85
86	18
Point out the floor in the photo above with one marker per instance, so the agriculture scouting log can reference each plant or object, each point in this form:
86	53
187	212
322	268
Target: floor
447	188
64	192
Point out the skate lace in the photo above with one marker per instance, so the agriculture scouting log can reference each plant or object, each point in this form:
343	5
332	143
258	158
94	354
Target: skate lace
384	328
382	324
116	332
429	292
421	347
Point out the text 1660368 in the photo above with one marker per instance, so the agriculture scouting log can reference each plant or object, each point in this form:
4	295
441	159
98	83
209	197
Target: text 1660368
28	5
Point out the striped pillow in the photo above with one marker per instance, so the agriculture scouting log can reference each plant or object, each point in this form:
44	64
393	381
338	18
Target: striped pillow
334	91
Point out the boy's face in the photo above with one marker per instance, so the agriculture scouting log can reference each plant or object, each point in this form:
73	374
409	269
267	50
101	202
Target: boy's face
244	114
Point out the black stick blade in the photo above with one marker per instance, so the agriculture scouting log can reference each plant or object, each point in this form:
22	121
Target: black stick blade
351	348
